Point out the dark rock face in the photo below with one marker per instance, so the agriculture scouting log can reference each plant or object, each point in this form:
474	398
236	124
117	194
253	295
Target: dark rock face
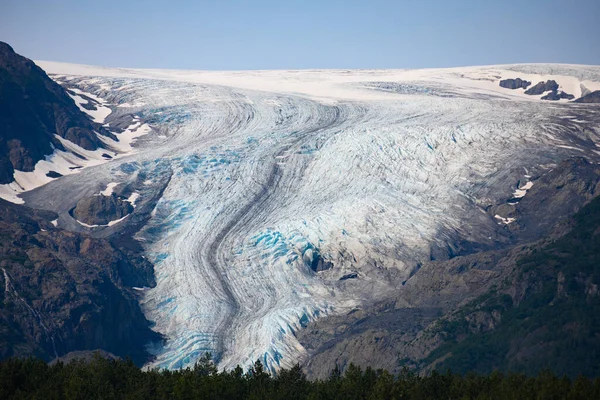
593	97
554	95
514	83
100	210
53	174
554	197
63	291
33	108
352	275
542	87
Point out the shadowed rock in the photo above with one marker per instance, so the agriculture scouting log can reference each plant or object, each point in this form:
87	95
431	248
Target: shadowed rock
63	291
53	174
34	108
593	97
542	87
514	83
100	210
555	95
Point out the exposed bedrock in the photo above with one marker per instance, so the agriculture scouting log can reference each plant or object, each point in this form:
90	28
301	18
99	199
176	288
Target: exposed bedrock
555	95
537	204
552	198
517	83
593	97
100	210
33	109
542	87
85	356
63	291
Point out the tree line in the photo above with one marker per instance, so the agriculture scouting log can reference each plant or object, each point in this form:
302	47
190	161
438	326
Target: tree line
103	378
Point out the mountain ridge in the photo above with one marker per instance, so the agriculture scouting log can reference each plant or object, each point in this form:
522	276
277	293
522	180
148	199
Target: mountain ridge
33	108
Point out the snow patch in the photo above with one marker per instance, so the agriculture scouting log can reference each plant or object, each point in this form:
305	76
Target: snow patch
111	223
127	137
505	220
133	198
109	189
99	114
522	191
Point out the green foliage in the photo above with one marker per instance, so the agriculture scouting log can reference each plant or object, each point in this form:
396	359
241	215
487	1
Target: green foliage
555	321
110	379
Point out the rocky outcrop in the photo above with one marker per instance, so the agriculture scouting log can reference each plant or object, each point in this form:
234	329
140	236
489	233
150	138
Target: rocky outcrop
542	87
100	210
593	97
33	109
555	95
557	195
517	83
389	334
553	197
62	291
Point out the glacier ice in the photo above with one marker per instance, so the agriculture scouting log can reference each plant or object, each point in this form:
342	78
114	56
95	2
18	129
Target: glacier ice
274	169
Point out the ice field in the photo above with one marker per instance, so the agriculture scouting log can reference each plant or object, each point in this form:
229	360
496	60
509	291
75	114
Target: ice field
270	174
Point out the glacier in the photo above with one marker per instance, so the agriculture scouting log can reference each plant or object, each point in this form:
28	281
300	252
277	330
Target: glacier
266	174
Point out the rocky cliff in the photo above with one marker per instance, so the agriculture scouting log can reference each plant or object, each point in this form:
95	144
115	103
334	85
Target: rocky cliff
62	291
33	109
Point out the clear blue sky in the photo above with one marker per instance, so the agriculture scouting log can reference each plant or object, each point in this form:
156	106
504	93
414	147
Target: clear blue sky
266	34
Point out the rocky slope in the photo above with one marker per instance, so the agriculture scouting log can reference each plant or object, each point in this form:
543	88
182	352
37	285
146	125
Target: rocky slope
543	314
523	307
62	291
33	109
593	97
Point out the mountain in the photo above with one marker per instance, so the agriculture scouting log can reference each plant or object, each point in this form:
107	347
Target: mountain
320	216
65	291
33	109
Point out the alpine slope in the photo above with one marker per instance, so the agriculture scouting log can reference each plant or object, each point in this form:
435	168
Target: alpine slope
276	197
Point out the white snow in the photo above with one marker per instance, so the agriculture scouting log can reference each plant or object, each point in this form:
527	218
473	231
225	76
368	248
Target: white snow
99	114
10	193
522	191
133	198
109	189
67	163
54	222
63	162
504	220
127	137
270	168
111	223
328	85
